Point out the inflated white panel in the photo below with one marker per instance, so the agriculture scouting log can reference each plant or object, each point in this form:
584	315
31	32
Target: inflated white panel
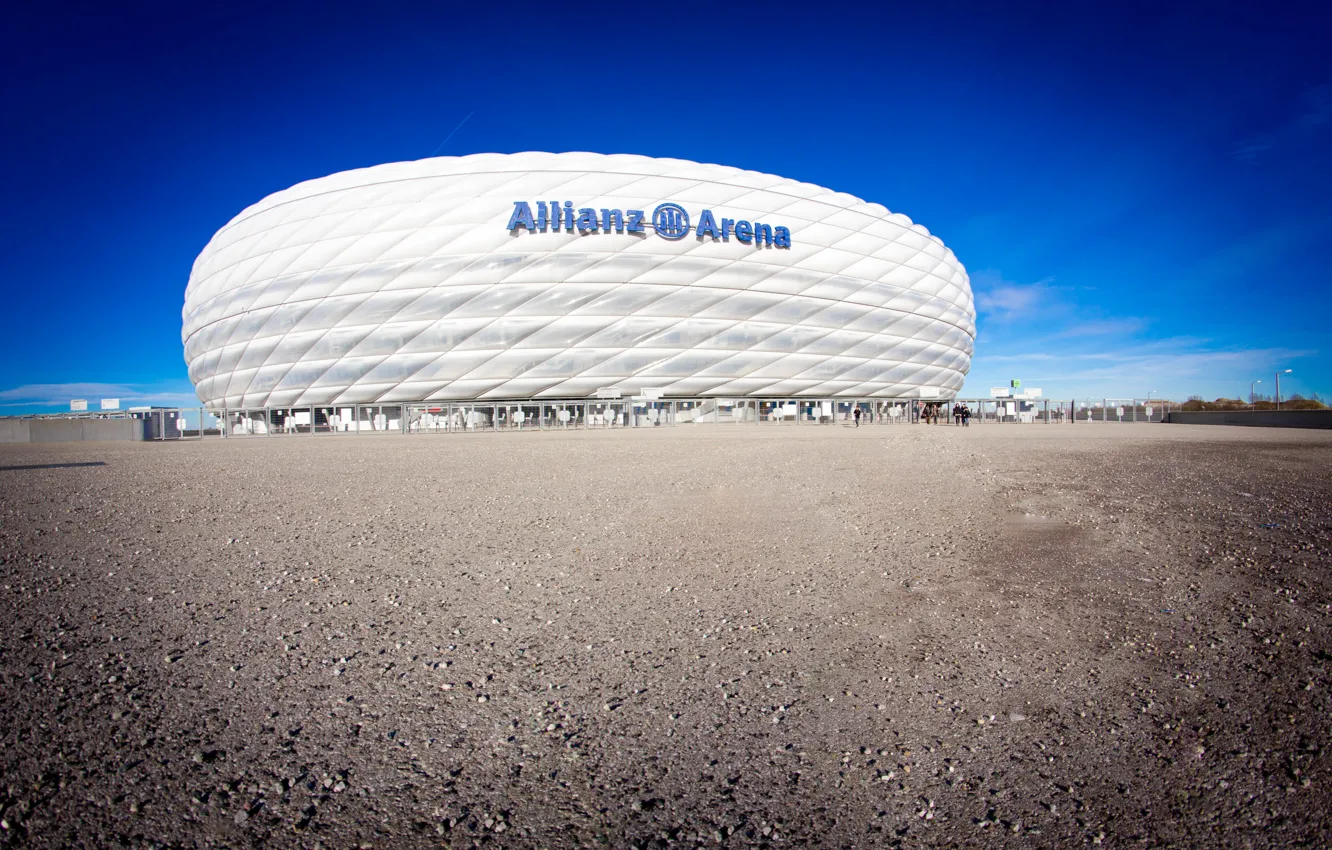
403	282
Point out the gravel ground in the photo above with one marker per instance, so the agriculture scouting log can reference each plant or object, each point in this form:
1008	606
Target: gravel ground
911	636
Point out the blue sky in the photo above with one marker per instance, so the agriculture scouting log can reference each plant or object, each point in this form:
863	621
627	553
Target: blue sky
1139	191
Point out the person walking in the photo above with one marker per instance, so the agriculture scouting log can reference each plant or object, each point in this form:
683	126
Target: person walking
855	414
966	416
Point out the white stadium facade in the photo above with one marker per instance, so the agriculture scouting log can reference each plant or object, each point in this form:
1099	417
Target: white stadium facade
498	282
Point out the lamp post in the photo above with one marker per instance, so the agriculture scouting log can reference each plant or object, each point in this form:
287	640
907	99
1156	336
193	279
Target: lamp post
1251	383
1278	387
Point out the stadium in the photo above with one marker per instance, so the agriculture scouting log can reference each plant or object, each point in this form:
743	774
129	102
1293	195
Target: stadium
512	286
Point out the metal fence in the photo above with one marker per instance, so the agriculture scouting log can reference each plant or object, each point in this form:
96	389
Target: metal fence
593	414
1054	412
169	424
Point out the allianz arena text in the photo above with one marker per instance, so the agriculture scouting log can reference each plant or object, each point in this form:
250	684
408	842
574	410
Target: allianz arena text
564	276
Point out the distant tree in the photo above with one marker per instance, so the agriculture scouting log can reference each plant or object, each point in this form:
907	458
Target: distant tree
1300	403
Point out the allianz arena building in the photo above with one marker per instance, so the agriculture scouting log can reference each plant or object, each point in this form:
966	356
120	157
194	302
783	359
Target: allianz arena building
542	289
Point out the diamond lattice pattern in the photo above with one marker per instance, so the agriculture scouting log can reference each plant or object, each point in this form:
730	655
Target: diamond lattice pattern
402	282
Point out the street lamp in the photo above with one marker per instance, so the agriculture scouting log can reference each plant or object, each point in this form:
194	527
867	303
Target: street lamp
1278	387
1251	383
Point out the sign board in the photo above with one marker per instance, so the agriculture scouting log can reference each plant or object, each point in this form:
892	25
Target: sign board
999	392
110	404
1015	384
1032	392
1119	411
930	392
652	393
1149	411
669	221
608	392
78	404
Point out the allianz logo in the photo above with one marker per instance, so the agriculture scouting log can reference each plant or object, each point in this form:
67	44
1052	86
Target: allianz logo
670	221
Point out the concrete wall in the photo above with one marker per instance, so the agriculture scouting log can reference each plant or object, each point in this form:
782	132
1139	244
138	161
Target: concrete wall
1261	418
57	430
14	430
70	430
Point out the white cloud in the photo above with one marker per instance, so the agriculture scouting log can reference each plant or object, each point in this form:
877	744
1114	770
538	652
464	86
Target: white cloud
1101	327
39	396
1004	300
1175	368
1312	115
